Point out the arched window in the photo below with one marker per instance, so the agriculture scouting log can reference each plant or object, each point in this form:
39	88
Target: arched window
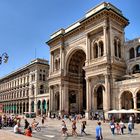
119	49
95	50
101	46
136	69
41	89
138	51
115	47
131	53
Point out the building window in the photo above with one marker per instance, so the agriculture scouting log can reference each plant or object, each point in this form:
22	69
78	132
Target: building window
138	51
136	69
117	47
40	77
131	53
44	77
41	89
101	47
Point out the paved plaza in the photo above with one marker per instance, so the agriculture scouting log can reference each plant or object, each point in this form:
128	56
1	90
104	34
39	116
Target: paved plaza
52	131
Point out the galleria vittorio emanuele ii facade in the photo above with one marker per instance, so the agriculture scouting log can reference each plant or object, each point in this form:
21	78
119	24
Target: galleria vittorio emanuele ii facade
92	69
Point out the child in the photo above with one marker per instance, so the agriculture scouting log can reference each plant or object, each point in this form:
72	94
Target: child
118	128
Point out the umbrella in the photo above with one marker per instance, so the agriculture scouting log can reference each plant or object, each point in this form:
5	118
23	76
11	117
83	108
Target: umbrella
122	111
133	111
113	111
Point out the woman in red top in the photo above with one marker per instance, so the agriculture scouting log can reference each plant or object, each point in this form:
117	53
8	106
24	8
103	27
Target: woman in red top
28	132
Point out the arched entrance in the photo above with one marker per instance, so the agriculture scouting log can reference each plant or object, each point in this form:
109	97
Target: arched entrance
32	106
77	82
39	107
127	100
98	98
138	100
57	101
44	105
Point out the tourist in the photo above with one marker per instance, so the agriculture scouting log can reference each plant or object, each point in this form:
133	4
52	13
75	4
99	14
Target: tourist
99	132
26	124
64	128
17	130
129	127
74	133
28	131
122	127
83	126
112	127
118	128
42	121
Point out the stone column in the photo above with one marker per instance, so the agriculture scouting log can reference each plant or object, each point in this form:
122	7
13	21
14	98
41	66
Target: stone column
111	42
50	100
88	97
135	102
60	97
105	40
66	98
88	55
106	99
60	58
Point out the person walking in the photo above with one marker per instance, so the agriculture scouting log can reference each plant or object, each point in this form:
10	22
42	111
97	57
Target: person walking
99	132
74	128
112	127
42	121
129	127
64	129
122	126
83	126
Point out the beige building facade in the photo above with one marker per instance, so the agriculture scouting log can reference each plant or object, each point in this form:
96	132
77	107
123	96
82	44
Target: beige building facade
26	89
92	68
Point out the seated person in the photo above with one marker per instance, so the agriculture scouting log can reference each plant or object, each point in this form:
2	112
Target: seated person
28	131
17	130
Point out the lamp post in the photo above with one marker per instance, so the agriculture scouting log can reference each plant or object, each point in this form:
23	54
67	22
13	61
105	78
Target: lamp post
4	58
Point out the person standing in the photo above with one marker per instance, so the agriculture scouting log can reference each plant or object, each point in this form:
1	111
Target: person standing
42	121
99	132
129	127
74	128
112	127
122	126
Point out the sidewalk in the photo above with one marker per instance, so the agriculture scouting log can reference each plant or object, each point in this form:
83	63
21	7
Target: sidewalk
7	135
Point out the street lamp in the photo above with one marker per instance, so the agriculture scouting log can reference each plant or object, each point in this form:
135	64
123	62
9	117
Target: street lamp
4	57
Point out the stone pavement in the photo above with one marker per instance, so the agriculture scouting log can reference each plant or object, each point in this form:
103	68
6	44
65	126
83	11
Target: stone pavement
7	135
52	131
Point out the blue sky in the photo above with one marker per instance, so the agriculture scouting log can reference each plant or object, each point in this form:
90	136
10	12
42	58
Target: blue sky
25	25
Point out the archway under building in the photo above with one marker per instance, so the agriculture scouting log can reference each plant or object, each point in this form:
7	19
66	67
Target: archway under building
77	82
138	100
39	107
44	106
98	101
127	100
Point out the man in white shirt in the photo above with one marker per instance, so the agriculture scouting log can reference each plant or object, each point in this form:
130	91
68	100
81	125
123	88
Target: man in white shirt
17	129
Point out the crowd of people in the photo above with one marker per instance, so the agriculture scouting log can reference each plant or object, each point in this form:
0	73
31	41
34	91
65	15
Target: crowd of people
116	127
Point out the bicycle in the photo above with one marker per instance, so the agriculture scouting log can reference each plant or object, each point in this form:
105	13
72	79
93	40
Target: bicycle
36	127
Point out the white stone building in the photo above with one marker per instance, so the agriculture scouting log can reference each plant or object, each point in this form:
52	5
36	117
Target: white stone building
92	68
26	89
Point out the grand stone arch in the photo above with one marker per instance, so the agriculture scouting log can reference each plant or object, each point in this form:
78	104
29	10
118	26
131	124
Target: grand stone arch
70	54
76	78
